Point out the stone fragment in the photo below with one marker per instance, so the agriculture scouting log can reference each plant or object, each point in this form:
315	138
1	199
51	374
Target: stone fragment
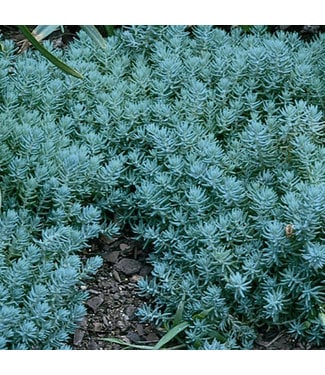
133	337
135	278
105	284
95	302
92	345
145	270
114	289
116	276
111	256
106	240
152	337
98	327
123	325
78	336
128	266
84	323
139	329
129	311
106	321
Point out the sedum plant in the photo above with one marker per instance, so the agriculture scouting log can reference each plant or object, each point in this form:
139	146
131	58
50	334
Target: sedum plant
210	145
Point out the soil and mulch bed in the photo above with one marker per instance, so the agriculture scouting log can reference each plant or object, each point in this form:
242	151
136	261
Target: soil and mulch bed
114	299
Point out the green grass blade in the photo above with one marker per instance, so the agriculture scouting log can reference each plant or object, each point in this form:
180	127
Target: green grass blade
321	315
203	314
176	347
172	333
121	342
245	28
54	60
95	35
179	312
109	30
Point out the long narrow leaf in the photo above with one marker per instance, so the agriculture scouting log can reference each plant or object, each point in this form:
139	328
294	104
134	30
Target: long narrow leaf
121	342
109	30
203	314
95	35
54	60
170	335
179	312
42	31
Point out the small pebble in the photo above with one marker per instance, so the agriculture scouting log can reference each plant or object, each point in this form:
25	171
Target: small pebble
128	266
124	247
135	278
111	256
129	311
116	276
152	337
98	327
116	296
123	326
78	336
133	337
92	345
106	321
139	329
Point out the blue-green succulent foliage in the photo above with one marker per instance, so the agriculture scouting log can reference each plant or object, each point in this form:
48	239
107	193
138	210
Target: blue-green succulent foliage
210	145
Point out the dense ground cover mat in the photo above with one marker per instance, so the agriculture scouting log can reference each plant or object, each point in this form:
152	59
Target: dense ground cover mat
209	145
